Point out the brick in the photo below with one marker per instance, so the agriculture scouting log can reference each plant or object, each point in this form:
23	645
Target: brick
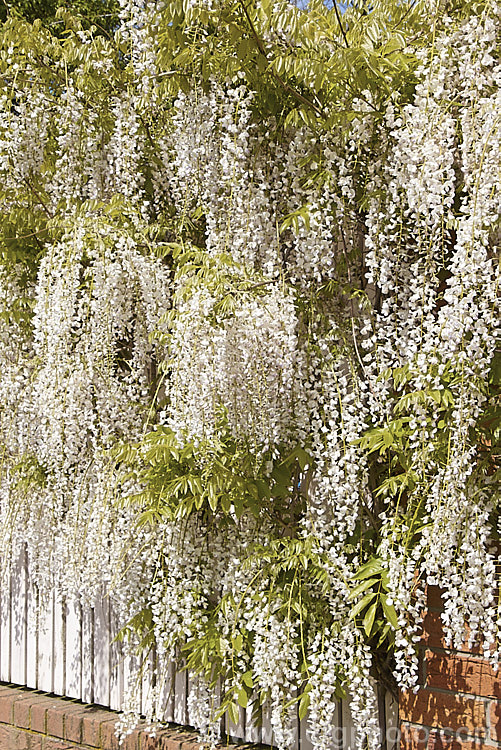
496	721
22	711
185	737
433	634
48	743
8	690
7	700
161	742
170	739
39	717
460	673
414	738
73	718
91	720
131	742
150	743
443	710
423	738
107	738
12	738
440	741
55	719
63	724
174	739
193	743
165	741
39	709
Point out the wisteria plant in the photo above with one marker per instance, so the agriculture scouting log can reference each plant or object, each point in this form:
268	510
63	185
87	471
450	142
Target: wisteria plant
249	380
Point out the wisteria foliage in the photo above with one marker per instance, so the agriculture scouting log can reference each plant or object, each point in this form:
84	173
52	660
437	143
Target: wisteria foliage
248	342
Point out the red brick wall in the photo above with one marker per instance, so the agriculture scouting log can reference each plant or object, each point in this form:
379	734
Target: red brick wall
30	720
458	705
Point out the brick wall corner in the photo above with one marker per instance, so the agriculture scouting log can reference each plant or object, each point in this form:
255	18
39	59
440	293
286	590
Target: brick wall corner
458	703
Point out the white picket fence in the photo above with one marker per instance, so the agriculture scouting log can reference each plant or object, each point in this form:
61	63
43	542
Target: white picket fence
69	650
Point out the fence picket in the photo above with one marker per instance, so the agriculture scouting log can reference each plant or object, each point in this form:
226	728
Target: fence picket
295	726
391	722
166	691
102	651
59	645
32	612
46	645
116	664
252	732
180	698
73	651
18	621
130	679
5	630
266	730
236	731
88	654
147	686
346	721
304	736
218	698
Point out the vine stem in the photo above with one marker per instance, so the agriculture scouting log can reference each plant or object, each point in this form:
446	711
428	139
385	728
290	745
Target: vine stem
284	84
340	23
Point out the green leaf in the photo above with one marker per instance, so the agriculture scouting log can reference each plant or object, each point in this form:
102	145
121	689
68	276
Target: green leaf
447	397
369	619
388	438
234	712
369	569
243	698
237	642
263	489
340	692
225	503
384	633
363	586
304	704
362	604
389	611
213	498
247	679
495	371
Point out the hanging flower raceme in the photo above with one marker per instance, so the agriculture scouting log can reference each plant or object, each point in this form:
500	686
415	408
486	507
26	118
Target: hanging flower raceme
242	369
